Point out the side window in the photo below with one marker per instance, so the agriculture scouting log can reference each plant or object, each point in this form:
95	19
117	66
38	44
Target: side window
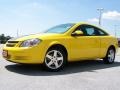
81	28
87	30
102	33
90	31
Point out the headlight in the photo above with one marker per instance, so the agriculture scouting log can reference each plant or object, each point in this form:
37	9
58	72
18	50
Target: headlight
30	42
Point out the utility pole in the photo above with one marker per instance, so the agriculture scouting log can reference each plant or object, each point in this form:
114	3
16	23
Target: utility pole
115	30
100	15
17	33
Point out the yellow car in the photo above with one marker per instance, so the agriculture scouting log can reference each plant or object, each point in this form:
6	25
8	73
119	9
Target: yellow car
61	44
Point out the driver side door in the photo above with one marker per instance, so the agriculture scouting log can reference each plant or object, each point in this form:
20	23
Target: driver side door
86	46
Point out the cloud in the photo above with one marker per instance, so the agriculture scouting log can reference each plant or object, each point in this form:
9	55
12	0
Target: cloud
93	20
111	15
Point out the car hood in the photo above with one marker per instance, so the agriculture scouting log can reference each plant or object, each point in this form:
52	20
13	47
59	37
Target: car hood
40	36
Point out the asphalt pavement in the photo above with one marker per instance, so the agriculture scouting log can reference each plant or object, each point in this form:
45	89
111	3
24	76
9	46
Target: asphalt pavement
84	75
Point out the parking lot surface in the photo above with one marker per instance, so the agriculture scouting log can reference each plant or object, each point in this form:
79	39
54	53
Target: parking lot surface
84	75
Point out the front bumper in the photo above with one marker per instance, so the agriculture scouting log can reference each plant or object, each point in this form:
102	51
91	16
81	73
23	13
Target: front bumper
26	55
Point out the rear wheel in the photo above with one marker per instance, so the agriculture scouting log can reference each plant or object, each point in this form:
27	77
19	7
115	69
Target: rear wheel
55	59
110	56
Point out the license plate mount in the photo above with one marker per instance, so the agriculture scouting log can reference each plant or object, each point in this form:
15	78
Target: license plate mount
5	53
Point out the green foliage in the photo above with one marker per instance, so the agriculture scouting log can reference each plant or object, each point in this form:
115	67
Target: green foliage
4	39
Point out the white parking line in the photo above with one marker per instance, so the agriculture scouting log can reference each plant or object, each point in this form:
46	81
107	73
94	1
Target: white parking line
118	53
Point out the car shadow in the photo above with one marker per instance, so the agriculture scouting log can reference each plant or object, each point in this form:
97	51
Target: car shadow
74	67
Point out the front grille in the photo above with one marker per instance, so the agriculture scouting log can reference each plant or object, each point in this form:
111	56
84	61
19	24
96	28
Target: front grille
11	43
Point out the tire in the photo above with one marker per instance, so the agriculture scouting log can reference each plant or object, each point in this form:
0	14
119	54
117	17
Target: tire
55	59
110	56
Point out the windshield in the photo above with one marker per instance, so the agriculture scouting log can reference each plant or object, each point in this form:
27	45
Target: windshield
60	28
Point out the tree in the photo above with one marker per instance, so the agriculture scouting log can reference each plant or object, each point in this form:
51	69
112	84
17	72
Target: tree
4	39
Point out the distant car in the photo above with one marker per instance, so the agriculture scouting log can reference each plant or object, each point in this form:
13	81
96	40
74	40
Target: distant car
61	44
119	43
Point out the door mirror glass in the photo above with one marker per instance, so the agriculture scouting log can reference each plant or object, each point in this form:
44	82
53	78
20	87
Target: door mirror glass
77	33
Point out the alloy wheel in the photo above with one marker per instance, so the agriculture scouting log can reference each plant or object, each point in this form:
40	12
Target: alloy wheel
54	59
111	55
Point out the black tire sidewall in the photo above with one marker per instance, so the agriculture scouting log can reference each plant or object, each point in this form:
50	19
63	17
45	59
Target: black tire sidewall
106	60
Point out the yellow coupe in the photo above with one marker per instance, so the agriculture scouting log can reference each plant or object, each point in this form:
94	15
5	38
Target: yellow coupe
60	44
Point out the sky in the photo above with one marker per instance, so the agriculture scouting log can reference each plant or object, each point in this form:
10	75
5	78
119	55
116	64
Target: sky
34	16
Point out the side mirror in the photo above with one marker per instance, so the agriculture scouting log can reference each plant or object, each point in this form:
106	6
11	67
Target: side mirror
77	33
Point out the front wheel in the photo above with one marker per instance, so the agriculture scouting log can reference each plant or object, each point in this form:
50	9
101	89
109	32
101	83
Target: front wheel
55	59
110	57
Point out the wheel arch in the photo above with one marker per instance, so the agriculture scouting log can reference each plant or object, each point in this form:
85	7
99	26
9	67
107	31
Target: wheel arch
58	45
112	46
107	48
